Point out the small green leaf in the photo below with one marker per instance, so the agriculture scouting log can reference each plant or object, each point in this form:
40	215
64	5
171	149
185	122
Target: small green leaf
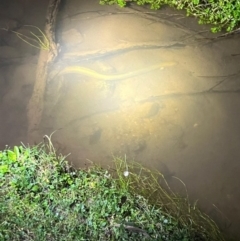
16	151
35	188
11	156
4	169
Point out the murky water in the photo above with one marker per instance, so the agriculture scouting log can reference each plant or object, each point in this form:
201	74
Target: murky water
181	117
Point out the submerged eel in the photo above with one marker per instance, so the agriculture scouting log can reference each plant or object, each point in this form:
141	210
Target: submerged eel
92	73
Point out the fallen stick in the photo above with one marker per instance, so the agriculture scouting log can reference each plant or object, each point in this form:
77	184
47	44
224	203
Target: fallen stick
46	57
121	48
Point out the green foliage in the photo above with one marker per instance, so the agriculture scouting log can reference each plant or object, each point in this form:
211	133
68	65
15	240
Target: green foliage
222	14
43	198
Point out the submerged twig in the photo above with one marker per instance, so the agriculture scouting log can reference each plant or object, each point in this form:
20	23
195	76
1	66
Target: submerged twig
133	229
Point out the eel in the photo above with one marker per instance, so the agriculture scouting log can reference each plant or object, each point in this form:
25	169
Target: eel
94	74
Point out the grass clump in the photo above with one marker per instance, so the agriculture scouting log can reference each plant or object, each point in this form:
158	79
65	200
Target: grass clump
43	198
222	14
37	40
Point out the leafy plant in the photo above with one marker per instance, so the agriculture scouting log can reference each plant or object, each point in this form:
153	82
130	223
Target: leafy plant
43	198
222	14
